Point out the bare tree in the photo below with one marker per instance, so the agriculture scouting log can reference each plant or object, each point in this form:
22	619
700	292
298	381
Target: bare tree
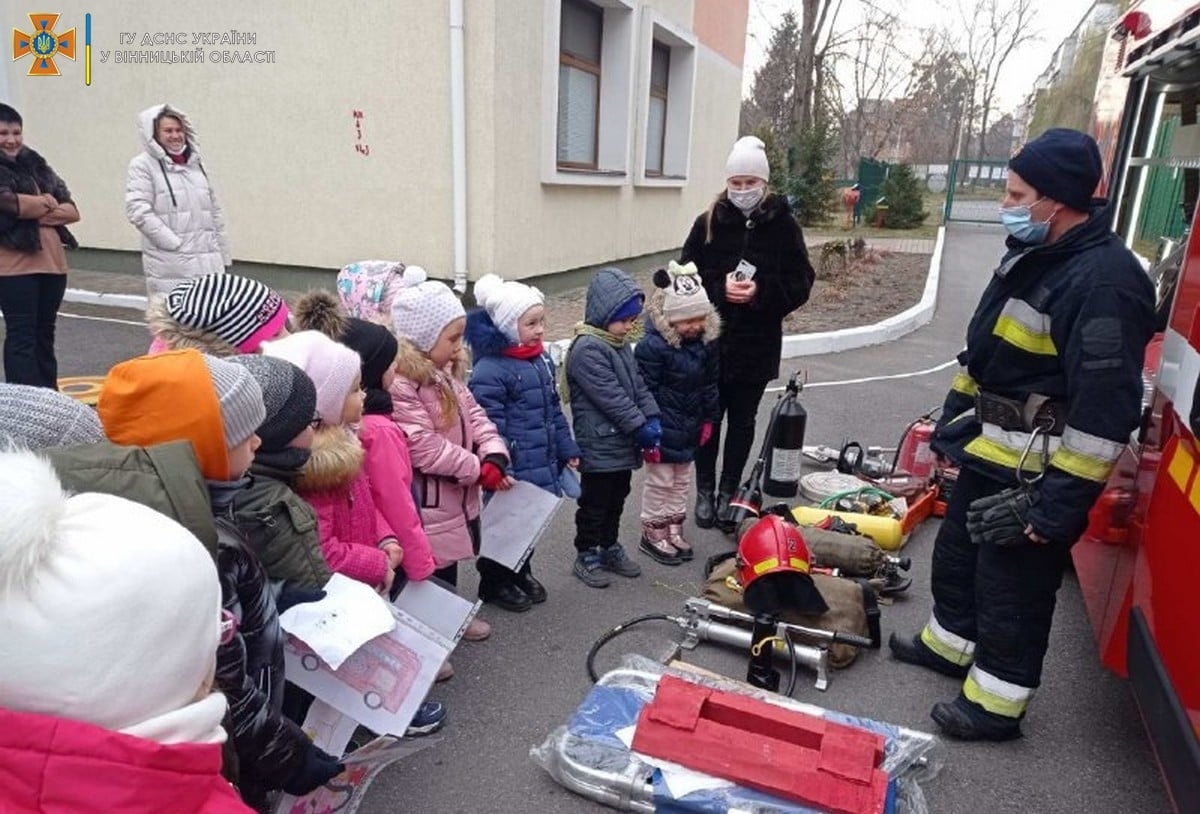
991	31
878	71
817	20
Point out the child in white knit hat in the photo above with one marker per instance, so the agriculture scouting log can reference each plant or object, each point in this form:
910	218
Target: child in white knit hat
455	447
110	622
217	406
678	360
513	379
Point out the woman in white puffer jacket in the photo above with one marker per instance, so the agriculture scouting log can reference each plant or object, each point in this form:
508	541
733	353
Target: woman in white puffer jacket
169	199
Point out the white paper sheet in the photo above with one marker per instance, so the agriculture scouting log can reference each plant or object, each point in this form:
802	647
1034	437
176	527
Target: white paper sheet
350	615
513	521
681	781
382	684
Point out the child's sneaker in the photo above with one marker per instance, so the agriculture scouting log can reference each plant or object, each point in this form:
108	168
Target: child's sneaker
590	569
429	719
613	558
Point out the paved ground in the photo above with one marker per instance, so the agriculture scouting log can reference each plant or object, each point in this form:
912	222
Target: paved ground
1084	749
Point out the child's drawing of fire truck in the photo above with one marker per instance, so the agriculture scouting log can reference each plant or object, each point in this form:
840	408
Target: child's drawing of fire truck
383	670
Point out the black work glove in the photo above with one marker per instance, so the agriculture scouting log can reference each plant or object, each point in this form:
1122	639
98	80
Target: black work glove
292	594
1000	519
319	768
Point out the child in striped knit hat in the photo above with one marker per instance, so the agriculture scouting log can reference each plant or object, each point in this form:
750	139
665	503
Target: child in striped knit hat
220	314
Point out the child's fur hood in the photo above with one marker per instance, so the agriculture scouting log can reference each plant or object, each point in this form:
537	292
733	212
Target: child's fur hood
336	459
418	368
320	310
178	337
483	337
654	312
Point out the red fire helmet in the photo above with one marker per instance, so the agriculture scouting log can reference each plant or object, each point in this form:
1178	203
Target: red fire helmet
773	567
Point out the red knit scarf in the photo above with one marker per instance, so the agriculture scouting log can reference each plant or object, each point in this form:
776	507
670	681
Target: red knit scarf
524	351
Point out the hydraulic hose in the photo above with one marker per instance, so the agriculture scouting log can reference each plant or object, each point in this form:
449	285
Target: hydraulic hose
614	633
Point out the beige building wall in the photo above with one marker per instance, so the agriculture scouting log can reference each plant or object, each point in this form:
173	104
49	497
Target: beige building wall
298	183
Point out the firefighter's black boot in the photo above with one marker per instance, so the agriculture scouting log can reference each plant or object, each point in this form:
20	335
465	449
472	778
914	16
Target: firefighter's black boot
725	492
706	510
965	721
914	651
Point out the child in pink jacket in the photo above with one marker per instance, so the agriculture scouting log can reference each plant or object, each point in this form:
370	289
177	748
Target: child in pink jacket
455	447
388	464
355	536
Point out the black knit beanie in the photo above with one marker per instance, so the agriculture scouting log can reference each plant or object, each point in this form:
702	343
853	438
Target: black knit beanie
1063	165
288	394
377	348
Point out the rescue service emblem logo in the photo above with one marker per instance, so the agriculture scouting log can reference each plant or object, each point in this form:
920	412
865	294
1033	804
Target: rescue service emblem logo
43	45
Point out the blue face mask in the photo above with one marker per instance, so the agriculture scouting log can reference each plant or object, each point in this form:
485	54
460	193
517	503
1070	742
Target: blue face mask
1018	220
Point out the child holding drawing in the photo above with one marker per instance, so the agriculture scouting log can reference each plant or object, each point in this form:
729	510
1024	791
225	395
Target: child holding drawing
455	447
513	380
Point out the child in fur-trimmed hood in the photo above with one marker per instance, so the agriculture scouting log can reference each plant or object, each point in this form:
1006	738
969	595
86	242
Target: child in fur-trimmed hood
678	360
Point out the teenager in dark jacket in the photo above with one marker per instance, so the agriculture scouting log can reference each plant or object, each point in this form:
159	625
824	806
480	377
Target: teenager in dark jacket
35	208
677	358
140	404
755	267
615	418
513	380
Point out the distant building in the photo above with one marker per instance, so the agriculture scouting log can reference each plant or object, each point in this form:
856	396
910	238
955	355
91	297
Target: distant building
591	130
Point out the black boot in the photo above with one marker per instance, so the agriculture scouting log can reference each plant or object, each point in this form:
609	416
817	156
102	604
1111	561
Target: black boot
706	510
965	721
725	493
914	651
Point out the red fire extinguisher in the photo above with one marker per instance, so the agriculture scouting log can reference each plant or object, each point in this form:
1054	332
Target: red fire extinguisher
914	455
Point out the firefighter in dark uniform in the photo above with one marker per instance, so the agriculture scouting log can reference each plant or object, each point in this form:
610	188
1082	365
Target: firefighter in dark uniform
1049	392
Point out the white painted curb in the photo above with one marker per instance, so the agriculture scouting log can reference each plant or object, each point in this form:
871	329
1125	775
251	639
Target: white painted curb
80	295
891	328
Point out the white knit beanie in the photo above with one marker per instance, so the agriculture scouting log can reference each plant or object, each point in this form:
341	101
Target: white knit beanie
506	302
684	296
422	308
109	611
748	157
331	365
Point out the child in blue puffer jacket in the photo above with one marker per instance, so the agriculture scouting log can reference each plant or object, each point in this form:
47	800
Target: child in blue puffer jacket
513	380
678	360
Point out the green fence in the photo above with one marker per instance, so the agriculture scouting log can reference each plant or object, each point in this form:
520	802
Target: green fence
1162	201
974	190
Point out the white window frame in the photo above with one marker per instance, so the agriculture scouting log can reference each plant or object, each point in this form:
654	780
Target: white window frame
616	97
681	87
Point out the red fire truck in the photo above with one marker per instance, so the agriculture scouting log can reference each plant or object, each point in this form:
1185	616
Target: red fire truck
1139	562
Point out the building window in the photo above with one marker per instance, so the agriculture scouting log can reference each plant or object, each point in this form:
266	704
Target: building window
656	123
580	38
667	55
587	92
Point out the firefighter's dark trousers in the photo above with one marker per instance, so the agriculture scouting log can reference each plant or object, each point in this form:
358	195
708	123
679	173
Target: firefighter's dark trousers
992	605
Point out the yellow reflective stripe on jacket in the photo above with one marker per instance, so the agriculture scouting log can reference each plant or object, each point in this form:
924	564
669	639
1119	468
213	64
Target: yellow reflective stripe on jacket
996	696
1004	447
1086	456
963	383
1022	325
950	646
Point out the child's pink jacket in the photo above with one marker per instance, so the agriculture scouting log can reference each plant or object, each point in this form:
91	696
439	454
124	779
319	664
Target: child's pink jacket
335	483
445	457
389	468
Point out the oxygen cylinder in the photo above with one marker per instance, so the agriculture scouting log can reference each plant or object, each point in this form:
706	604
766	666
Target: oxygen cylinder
787	447
885	531
915	456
